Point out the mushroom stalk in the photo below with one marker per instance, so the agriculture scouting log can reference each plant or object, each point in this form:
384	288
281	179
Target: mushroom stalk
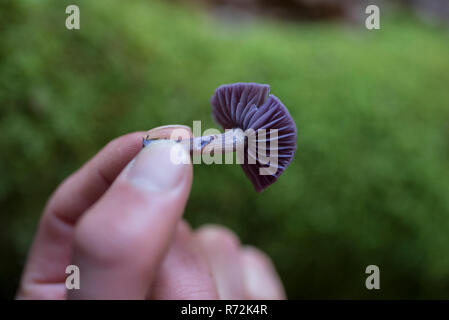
229	141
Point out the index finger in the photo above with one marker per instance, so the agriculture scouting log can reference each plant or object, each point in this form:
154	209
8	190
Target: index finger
50	254
44	273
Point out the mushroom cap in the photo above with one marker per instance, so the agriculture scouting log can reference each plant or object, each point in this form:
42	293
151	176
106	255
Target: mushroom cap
250	106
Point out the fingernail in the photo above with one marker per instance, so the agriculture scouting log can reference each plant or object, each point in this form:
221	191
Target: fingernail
160	166
166	132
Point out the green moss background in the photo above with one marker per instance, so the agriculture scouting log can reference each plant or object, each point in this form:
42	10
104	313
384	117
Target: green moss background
369	183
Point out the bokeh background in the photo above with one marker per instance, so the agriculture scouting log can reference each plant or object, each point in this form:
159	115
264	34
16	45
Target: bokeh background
369	183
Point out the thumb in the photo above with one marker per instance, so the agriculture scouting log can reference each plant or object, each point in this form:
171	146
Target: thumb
120	242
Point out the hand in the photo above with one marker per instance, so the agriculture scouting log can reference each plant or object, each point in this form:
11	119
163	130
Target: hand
119	219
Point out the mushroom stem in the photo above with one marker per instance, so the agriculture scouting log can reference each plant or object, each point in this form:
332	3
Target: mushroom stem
229	141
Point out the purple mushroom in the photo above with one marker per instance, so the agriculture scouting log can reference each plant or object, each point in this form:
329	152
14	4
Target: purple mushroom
249	107
257	125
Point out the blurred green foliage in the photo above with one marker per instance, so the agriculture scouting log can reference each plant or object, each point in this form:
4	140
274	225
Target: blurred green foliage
369	183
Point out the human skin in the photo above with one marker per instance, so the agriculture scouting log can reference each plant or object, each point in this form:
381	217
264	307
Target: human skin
119	219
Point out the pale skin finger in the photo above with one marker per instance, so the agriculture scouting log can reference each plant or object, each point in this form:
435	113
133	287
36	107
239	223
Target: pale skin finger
222	250
44	274
184	273
120	242
260	277
239	272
